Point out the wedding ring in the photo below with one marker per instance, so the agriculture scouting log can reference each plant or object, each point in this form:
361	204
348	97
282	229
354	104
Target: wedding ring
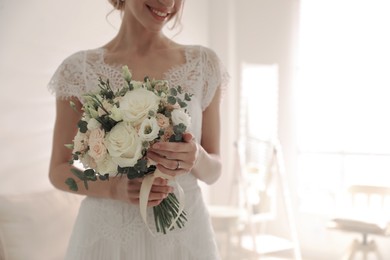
178	165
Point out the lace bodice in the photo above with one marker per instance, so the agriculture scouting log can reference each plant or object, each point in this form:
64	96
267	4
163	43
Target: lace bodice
201	74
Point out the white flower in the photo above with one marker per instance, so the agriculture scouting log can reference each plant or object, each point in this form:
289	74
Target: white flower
126	73
179	116
107	165
91	111
137	84
116	113
124	145
107	107
93	124
149	129
136	104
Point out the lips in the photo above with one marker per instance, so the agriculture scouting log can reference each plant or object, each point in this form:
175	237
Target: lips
159	14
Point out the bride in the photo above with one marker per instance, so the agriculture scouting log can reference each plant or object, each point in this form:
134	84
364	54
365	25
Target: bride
109	225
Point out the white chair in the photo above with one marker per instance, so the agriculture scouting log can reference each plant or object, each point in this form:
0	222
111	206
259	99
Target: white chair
243	223
367	213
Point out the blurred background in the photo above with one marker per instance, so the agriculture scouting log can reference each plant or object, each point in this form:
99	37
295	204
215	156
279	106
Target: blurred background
305	116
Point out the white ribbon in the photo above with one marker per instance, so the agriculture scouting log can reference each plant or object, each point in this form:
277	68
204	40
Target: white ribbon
146	187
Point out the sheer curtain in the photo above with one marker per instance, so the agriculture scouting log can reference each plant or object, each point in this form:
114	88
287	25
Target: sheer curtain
343	97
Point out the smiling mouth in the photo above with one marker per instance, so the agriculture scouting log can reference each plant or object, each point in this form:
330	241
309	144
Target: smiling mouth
158	13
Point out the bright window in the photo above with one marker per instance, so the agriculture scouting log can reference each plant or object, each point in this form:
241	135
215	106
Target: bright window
343	97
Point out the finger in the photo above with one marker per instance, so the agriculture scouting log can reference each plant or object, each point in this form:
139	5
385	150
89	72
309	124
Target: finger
154	203
162	189
171	146
160	182
188	137
167	163
171	172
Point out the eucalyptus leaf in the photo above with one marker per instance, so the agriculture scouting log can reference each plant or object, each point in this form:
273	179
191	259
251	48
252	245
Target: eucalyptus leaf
82	125
173	92
171	100
71	184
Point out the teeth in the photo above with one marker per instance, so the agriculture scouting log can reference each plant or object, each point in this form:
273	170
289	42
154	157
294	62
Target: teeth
160	13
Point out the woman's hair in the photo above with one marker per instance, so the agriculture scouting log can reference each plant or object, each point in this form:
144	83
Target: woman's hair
117	4
120	5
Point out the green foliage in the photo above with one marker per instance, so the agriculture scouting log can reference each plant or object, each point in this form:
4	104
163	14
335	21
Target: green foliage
171	100
72	184
166	212
173	92
82	125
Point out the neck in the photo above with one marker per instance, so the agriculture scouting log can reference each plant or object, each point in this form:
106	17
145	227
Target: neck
134	38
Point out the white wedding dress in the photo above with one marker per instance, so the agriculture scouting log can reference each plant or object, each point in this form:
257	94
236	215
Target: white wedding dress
112	230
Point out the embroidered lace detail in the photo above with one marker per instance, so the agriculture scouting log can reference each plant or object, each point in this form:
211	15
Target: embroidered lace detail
201	74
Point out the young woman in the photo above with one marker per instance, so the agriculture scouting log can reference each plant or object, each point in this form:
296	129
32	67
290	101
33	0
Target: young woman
109	225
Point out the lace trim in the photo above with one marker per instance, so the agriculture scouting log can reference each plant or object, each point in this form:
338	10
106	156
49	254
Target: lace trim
201	74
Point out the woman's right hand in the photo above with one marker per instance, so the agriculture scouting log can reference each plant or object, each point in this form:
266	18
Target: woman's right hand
129	190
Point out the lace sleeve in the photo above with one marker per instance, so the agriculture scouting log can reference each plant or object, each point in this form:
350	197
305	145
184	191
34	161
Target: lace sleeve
68	80
215	76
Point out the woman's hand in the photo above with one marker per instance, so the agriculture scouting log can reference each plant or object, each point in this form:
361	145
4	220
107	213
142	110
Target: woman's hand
175	158
129	190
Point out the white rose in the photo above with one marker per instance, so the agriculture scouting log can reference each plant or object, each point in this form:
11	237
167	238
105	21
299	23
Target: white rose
93	124
136	104
124	145
149	129
179	116
107	165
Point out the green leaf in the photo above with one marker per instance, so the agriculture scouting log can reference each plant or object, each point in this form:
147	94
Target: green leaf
78	173
86	184
90	175
171	100
132	173
69	146
73	106
82	125
187	97
173	92
72	184
104	177
179	129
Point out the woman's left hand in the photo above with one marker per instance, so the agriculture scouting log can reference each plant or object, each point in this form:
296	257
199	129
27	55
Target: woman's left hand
175	158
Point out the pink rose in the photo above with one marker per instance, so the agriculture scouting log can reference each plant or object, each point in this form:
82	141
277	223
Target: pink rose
97	151
96	136
162	121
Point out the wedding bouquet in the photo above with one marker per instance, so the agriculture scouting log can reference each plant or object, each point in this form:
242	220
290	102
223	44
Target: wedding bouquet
118	127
